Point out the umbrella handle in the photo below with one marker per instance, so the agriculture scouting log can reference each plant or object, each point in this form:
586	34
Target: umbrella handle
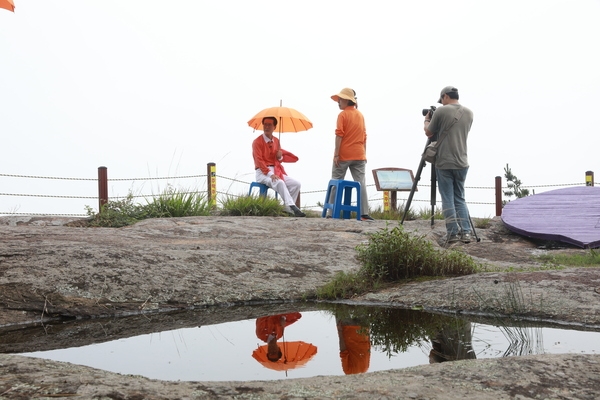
284	348
280	124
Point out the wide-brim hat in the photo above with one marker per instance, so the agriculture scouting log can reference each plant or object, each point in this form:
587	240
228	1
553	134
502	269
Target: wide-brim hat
345	93
447	90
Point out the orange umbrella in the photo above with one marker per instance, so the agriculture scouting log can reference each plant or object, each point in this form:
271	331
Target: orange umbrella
289	120
294	355
8	4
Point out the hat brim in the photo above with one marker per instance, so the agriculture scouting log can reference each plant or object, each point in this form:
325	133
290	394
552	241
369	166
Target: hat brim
337	97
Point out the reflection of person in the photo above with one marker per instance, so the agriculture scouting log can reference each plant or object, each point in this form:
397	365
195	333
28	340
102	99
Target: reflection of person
452	343
268	157
269	329
452	163
350	146
355	346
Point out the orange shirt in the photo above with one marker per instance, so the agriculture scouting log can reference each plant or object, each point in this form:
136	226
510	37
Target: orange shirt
265	154
272	324
351	128
357	356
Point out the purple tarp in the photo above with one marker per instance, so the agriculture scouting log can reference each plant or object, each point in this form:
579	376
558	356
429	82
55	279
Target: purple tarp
570	215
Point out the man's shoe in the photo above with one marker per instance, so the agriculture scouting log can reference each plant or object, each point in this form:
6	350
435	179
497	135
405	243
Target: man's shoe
297	212
452	238
366	217
465	238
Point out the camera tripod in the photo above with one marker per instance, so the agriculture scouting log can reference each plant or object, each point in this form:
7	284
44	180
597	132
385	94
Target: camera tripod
422	165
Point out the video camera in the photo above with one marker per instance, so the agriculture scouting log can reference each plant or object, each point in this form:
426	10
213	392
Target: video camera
427	110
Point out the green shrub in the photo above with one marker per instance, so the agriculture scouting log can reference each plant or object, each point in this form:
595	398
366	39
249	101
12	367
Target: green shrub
392	255
116	213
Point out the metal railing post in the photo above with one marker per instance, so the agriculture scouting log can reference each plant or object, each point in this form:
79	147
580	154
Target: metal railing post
498	189
102	187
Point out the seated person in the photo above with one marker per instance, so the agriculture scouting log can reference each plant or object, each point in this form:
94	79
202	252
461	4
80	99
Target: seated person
268	157
269	329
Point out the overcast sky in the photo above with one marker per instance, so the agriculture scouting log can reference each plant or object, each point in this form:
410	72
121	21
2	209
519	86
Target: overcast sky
150	90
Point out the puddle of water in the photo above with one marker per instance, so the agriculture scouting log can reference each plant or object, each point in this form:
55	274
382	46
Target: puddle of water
375	339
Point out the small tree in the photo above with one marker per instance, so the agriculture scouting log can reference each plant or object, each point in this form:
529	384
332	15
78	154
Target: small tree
514	186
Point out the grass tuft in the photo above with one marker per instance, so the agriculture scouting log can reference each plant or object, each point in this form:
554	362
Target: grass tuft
589	259
251	206
172	203
393	255
396	215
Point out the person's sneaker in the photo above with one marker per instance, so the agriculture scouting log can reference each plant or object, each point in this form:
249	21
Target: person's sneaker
366	217
465	238
452	238
297	212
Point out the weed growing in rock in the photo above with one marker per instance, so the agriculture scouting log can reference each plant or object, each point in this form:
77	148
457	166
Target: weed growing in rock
117	213
482	223
423	213
251	206
589	259
393	255
171	203
510	300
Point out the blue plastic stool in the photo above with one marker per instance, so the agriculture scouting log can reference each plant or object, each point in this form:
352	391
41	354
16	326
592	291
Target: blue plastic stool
263	189
343	189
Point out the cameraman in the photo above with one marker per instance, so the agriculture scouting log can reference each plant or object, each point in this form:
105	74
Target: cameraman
452	163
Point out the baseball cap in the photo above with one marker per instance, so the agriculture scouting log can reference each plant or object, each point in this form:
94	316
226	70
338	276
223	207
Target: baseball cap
447	90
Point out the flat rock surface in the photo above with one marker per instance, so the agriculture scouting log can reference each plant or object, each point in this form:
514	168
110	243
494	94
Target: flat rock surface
54	268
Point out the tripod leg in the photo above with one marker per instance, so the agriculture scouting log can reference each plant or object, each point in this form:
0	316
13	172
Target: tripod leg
414	187
433	193
412	190
473	227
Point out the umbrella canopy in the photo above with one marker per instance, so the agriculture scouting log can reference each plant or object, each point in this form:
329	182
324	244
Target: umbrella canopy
294	355
7	4
288	119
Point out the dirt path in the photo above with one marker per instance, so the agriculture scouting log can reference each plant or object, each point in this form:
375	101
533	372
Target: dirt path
49	270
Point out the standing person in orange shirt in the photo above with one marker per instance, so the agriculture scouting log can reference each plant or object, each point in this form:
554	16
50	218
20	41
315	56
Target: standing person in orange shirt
355	346
351	146
268	156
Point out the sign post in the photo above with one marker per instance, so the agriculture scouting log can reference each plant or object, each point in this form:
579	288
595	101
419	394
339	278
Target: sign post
392	180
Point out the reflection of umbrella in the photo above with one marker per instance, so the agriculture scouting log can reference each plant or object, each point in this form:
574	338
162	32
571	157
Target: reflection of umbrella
289	120
8	4
294	355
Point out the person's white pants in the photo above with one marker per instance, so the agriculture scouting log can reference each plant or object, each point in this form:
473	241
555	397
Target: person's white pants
288	188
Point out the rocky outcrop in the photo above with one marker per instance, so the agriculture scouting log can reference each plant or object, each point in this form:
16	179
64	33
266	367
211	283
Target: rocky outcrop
56	268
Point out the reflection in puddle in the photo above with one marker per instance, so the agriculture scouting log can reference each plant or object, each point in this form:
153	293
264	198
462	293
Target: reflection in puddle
288	355
335	341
